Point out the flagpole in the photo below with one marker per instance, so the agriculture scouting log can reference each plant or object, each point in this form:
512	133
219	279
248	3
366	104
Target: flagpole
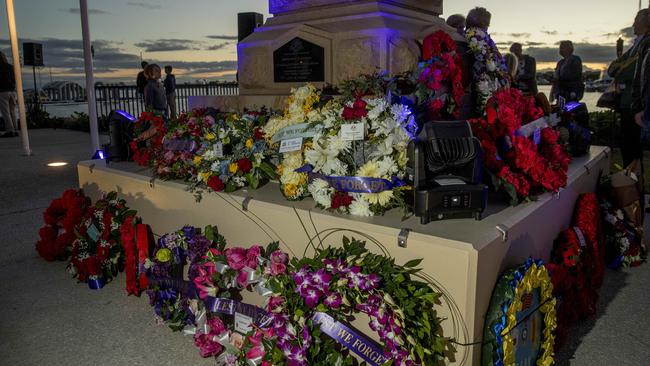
90	82
13	36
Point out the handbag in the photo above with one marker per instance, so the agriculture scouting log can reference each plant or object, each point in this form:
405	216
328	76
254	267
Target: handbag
611	97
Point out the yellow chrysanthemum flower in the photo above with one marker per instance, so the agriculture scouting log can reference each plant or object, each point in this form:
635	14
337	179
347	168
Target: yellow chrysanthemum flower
232	168
210	136
249	143
204	176
197	159
280	169
290	190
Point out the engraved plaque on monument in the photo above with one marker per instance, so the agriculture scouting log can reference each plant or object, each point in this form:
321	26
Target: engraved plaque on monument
299	61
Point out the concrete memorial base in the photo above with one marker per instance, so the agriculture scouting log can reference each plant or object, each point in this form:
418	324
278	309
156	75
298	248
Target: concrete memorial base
464	256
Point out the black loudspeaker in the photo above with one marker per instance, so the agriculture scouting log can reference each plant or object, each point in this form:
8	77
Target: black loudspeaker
246	24
32	54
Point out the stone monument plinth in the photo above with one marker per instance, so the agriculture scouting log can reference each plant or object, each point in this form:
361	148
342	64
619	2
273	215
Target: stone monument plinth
326	42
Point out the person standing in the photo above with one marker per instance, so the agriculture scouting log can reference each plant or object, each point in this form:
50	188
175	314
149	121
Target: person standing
457	21
155	99
170	91
568	82
526	78
141	80
623	71
8	97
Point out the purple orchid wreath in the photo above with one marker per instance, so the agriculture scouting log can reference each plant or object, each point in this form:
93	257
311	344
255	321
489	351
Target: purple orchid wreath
309	306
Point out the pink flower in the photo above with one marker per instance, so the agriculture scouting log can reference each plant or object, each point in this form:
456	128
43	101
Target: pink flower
236	258
278	268
274	302
252	254
279	257
242	278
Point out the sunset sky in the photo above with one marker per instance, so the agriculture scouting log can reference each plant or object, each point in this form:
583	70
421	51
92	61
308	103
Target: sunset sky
198	37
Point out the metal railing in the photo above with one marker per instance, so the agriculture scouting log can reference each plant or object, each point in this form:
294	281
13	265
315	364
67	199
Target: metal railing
126	97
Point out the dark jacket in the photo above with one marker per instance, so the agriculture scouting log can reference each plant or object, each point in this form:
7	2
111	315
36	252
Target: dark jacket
7	81
141	82
154	96
623	70
527	80
170	84
641	77
568	78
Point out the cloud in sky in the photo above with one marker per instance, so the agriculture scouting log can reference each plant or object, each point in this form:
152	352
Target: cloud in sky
141	4
588	52
219	46
90	11
223	37
550	32
519	35
170	44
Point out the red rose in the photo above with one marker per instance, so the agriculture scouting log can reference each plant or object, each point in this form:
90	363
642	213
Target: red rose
244	165
258	134
348	113
216	184
341	199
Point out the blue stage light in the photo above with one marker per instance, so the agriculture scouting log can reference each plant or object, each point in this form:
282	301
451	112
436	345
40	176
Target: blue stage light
99	155
125	115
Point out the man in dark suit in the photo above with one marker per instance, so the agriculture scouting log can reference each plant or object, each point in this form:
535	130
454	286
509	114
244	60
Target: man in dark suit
623	70
568	82
526	79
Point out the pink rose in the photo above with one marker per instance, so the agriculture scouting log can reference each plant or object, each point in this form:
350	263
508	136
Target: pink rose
274	302
278	268
242	278
251	256
236	258
279	257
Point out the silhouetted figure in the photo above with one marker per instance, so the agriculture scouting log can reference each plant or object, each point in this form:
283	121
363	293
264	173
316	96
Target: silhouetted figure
526	78
8	97
170	91
141	80
568	82
155	99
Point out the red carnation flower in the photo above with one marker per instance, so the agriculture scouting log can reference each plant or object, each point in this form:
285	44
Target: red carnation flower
216	184
244	165
341	199
258	134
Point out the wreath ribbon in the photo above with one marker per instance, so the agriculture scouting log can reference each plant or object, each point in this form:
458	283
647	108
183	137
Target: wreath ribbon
143	238
354	184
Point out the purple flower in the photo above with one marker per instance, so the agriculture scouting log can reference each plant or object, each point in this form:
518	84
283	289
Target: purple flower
311	295
334	265
189	231
197	247
300	276
370	282
333	300
321	279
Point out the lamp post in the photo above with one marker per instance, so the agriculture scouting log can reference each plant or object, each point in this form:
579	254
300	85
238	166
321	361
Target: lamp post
90	81
13	36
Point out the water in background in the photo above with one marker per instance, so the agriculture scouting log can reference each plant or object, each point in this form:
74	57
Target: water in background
66	110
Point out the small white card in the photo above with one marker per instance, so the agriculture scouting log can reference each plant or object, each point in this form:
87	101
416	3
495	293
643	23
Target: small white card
289	145
218	149
353	131
243	323
93	232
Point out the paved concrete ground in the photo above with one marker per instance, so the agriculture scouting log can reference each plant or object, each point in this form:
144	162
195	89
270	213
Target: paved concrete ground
46	318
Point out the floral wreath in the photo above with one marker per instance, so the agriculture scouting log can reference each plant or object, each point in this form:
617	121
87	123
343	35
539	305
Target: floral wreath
233	155
147	145
334	285
171	297
97	254
136	238
440	76
222	276
181	142
300	109
489	67
523	166
511	294
577	267
61	218
622	240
